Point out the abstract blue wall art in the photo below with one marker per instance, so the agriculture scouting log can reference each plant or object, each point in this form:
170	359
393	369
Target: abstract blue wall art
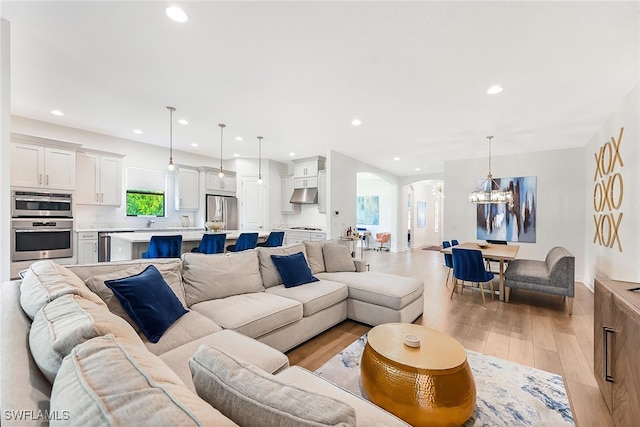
515	224
367	210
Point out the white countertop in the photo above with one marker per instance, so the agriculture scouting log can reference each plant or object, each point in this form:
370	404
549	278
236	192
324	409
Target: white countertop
85	229
189	235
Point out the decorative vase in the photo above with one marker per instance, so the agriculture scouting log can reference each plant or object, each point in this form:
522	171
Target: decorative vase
185	221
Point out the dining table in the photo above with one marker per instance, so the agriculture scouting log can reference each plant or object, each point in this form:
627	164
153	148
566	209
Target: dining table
501	253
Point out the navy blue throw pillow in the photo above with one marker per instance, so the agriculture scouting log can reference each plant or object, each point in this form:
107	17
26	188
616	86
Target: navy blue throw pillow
149	301
293	269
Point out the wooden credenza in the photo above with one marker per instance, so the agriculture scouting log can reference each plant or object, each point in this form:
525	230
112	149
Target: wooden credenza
617	348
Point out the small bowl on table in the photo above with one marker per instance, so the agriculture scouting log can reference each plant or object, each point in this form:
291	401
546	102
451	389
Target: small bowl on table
214	225
483	244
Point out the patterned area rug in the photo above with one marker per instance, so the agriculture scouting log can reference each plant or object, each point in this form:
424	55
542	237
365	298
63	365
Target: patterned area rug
432	248
507	394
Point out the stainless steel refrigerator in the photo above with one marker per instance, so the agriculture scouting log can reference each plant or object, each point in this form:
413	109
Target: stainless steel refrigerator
223	208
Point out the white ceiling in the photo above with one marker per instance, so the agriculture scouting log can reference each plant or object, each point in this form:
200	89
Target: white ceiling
414	73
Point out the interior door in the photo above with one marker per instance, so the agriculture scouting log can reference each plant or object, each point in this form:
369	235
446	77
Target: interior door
252	204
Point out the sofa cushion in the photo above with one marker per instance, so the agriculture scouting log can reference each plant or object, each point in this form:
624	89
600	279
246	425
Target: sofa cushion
170	270
268	270
45	281
315	256
108	382
314	298
241	346
367	413
187	328
208	277
525	270
66	322
246	394
338	258
383	289
293	269
149	301
251	314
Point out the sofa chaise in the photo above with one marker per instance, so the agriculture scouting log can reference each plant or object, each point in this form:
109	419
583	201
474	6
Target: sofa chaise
75	354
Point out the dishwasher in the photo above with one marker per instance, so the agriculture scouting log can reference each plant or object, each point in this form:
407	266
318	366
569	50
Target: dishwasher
104	244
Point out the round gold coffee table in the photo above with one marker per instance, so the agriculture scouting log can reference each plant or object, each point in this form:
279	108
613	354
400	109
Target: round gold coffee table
430	385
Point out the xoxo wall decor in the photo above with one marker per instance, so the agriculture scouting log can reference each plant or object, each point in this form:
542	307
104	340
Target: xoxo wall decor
608	192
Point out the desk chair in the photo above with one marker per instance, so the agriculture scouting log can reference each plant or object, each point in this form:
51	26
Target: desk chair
245	241
275	239
211	244
454	242
448	261
468	266
164	247
382	238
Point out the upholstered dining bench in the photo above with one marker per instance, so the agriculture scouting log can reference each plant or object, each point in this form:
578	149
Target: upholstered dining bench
554	275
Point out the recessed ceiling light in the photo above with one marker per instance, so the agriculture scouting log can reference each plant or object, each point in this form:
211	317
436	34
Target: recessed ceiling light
183	122
396	158
417	169
236	155
194	144
356	122
57	113
494	89
292	154
238	138
137	131
176	14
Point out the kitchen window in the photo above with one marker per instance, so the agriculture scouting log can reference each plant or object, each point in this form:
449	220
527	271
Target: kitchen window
145	203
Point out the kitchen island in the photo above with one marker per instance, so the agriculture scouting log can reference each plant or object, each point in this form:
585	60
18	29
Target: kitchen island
127	246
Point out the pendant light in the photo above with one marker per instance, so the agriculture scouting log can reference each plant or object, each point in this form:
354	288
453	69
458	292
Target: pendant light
171	166
493	194
259	160
222	126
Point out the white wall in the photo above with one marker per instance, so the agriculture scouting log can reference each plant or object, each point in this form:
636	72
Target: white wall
371	185
560	192
601	260
5	151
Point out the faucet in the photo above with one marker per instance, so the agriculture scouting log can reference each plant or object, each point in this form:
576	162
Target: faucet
149	223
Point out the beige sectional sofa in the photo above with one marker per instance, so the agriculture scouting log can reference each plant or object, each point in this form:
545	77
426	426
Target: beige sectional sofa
72	355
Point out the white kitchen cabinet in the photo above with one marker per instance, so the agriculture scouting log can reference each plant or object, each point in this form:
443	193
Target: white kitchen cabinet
296	236
305	168
286	190
222	186
99	179
187	190
87	247
311	182
322	191
43	167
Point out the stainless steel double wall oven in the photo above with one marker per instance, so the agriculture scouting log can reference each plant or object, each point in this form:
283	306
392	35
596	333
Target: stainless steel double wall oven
41	225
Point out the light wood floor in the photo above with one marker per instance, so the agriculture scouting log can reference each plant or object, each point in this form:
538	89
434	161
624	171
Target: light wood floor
533	329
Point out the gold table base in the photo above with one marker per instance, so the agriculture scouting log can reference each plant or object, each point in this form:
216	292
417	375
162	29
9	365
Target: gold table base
417	394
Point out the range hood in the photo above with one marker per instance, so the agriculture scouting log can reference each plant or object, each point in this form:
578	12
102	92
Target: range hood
304	196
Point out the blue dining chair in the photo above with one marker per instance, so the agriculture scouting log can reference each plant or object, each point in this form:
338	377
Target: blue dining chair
448	261
454	242
164	247
275	239
245	241
211	243
468	266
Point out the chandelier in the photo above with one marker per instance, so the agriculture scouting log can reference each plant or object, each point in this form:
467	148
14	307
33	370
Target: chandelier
489	191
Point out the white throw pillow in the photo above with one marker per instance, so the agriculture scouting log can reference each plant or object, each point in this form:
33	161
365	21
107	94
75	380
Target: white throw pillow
338	258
